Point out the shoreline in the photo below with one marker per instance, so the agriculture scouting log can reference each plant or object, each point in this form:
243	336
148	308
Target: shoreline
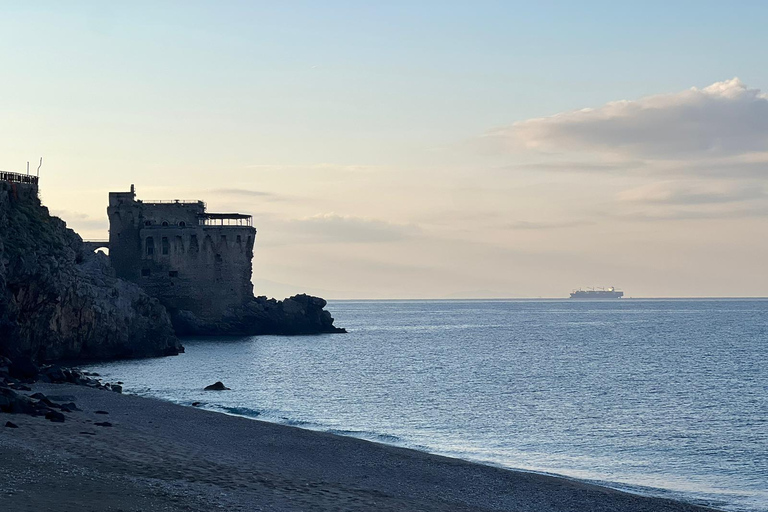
628	488
157	455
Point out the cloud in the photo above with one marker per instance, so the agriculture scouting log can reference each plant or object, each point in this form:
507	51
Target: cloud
674	214
81	221
349	229
241	192
579	166
535	225
685	193
726	118
321	167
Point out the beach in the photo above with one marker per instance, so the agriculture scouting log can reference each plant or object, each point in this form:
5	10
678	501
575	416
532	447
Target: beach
160	456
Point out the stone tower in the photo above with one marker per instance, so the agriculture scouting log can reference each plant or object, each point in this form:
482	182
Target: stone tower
176	251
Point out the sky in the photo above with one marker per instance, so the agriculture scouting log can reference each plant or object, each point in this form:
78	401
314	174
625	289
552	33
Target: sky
429	149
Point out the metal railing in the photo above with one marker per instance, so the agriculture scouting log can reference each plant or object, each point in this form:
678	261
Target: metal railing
226	221
171	201
15	177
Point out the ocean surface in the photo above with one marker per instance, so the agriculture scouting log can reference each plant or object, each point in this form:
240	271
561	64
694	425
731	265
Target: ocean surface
661	397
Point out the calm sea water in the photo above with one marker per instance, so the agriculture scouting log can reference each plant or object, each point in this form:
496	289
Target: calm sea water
663	397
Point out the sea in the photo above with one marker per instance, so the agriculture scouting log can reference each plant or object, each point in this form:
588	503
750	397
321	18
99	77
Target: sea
658	397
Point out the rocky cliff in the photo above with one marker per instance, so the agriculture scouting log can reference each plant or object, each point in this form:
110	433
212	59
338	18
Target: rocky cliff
60	301
300	314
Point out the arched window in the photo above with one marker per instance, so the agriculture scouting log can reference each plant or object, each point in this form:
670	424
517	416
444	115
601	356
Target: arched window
147	222
182	223
165	223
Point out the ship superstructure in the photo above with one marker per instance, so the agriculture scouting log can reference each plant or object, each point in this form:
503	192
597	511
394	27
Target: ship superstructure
597	293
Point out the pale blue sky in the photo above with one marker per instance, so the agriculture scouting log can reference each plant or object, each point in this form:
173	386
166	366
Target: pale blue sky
354	116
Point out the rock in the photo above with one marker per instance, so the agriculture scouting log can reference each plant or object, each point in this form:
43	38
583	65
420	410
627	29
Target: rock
60	301
217	386
23	368
11	425
103	424
54	373
55	416
15	403
300	314
100	412
117	388
196	404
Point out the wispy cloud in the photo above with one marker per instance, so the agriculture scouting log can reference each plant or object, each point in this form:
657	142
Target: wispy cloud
320	167
580	166
242	192
679	214
330	227
692	193
81	221
537	225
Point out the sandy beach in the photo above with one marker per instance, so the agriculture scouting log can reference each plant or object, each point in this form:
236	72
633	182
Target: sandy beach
161	456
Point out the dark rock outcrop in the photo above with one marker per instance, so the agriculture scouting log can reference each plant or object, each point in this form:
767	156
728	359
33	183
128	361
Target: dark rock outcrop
60	301
217	386
17	403
300	314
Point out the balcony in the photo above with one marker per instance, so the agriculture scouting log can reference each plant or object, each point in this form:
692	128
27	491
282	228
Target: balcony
225	219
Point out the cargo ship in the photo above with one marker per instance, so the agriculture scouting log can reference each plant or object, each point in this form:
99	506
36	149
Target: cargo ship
600	293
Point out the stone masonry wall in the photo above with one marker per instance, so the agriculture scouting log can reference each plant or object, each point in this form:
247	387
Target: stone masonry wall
204	269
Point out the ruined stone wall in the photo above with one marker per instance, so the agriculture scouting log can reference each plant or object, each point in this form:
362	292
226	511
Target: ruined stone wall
202	269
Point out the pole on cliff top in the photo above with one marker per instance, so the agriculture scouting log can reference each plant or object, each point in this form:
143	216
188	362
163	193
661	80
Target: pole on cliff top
39	166
27	167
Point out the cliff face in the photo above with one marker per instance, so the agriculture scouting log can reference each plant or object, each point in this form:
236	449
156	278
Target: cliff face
59	301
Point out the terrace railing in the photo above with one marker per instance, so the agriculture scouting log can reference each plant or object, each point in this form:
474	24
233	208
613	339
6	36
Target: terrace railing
14	177
225	219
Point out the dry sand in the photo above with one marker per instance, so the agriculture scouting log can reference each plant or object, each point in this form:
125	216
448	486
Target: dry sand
159	456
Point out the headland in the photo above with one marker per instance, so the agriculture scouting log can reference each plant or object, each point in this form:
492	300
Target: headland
173	269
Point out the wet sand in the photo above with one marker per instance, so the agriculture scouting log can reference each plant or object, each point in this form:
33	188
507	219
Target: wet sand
158	456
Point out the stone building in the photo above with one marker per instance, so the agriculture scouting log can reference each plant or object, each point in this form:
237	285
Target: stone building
190	259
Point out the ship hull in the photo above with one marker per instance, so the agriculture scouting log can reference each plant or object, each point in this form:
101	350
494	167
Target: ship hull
596	295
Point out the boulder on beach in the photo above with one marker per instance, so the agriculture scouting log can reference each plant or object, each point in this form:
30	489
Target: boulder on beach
217	386
54	416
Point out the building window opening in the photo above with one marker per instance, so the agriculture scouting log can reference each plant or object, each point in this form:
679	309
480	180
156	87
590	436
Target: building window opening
223	239
165	223
182	223
147	222
166	245
173	273
238	239
145	272
150	246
